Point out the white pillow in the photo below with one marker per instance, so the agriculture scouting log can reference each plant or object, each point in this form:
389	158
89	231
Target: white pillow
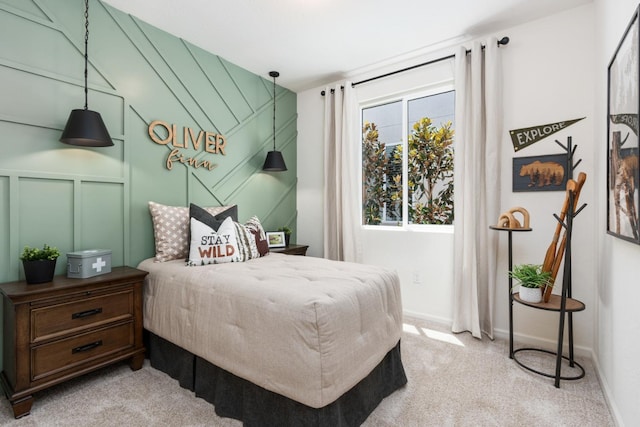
210	246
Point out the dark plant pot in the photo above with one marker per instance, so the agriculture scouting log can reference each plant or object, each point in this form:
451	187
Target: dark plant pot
287	238
39	271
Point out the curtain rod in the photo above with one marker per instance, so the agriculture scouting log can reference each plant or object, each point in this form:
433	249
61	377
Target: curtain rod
502	41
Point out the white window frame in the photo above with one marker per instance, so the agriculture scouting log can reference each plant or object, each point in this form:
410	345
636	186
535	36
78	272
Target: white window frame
405	97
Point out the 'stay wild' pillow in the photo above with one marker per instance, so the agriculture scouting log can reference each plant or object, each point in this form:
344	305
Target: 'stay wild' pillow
212	241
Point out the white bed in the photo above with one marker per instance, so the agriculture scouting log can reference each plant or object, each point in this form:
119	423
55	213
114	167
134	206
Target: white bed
305	328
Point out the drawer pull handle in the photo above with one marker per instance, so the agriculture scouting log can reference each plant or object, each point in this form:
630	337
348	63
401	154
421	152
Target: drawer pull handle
86	313
86	347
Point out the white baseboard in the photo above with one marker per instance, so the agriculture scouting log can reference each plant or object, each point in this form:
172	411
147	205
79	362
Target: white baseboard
606	391
519	339
423	316
522	339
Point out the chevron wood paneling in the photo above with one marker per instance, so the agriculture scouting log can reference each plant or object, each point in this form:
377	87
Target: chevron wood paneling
77	198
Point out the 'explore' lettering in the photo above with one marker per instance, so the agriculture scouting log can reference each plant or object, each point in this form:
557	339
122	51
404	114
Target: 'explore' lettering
537	133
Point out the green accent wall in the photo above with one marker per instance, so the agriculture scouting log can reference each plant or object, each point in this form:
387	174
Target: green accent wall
81	198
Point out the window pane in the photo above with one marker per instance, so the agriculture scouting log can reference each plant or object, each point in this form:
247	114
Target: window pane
430	159
388	120
439	108
393	203
382	164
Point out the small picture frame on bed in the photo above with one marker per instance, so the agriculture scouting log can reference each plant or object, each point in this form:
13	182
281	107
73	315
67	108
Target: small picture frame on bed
276	239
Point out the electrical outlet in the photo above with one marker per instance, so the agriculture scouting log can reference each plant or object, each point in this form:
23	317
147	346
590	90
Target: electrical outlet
416	277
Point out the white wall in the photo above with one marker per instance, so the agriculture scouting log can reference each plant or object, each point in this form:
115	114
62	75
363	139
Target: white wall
548	69
549	77
617	346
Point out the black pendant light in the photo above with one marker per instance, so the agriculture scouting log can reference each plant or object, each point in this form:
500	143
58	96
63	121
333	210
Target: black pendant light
274	161
85	127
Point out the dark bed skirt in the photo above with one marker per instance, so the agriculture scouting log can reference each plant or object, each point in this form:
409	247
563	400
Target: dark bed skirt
237	398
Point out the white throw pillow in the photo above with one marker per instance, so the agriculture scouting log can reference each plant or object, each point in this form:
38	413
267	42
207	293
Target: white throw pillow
210	246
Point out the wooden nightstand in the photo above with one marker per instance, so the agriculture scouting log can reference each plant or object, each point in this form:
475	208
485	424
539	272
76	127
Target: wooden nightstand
291	250
65	328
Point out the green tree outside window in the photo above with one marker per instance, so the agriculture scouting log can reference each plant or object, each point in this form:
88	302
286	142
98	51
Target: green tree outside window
429	171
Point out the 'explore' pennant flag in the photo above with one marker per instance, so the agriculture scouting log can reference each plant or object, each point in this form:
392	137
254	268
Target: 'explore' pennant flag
524	137
629	119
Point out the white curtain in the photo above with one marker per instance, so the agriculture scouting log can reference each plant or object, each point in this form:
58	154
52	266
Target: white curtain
341	167
477	186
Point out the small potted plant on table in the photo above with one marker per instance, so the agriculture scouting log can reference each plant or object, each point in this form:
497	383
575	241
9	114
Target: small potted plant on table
532	280
287	234
39	264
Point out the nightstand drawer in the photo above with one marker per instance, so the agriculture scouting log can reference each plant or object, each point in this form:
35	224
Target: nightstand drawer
67	354
52	321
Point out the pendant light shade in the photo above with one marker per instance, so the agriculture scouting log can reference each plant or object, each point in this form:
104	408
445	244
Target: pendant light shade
85	127
274	161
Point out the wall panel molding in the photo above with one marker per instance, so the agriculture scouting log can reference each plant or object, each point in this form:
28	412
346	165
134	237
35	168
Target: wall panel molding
137	74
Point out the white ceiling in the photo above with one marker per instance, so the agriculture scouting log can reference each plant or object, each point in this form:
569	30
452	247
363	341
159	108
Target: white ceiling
313	42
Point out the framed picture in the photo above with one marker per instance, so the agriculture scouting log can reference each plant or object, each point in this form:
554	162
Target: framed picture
622	136
276	239
540	173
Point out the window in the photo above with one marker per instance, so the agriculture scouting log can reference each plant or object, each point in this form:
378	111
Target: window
409	140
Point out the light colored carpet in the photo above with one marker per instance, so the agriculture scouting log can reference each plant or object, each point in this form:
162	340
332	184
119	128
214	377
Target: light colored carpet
454	380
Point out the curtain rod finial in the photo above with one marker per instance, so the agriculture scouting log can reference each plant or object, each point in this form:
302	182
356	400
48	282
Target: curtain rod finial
503	41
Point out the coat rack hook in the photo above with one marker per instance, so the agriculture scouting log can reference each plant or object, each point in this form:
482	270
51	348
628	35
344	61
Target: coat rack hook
579	210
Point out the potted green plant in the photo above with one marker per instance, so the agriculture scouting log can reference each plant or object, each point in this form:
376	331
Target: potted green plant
532	280
287	234
39	264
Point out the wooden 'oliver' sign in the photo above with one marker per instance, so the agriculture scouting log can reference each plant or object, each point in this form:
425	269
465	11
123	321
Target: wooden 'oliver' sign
210	142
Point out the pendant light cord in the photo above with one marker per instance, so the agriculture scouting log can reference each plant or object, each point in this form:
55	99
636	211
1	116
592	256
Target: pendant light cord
86	52
273	74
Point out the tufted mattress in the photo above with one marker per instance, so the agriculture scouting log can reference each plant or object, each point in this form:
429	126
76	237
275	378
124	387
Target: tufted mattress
306	328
